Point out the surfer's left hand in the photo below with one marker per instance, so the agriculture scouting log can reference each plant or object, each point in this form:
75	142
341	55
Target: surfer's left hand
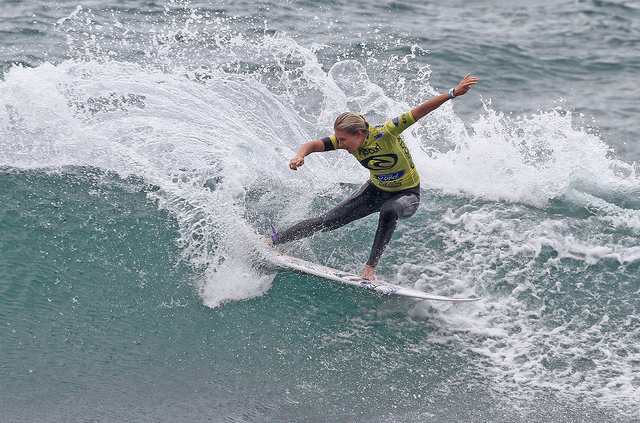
465	85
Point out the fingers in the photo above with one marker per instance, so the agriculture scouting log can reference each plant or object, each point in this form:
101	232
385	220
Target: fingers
469	80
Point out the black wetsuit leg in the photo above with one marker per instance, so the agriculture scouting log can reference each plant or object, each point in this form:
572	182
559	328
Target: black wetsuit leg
355	207
400	206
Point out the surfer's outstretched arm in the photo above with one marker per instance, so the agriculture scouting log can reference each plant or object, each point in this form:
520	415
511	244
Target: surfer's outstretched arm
306	149
435	102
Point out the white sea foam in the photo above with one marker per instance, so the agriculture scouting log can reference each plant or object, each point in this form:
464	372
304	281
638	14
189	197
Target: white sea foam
558	311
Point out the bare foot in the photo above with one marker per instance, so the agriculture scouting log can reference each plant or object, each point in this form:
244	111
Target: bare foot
368	273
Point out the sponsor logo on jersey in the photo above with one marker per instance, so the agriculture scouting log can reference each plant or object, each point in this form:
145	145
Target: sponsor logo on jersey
396	121
367	151
378	135
382	162
390	185
387	177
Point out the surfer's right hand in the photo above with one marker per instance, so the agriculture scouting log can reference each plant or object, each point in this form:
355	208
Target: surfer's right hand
296	162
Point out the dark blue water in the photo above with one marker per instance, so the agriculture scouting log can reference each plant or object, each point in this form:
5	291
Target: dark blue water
142	145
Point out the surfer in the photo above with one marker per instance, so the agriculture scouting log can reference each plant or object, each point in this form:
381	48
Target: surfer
394	185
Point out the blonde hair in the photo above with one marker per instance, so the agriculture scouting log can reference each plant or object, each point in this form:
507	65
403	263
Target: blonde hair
351	123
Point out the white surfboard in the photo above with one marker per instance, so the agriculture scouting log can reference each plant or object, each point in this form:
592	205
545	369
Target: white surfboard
355	280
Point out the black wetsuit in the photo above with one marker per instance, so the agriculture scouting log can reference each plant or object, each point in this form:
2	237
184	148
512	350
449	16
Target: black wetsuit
392	205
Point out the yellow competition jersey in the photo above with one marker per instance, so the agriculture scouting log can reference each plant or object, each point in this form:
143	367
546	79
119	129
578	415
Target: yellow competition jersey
385	154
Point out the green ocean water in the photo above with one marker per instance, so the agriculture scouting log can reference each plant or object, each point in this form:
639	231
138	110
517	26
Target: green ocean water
102	319
143	145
